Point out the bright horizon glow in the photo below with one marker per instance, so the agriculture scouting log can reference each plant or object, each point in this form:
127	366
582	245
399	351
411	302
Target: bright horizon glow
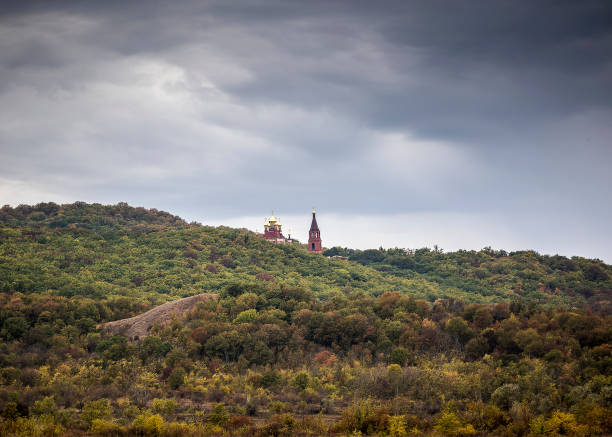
450	232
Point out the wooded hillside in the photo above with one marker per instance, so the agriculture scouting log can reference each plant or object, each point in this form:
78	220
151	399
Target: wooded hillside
388	342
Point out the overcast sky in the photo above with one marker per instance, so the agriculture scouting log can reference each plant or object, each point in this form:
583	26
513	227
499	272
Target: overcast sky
462	123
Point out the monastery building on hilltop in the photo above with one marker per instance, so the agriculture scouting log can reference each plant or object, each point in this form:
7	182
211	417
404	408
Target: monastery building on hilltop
273	232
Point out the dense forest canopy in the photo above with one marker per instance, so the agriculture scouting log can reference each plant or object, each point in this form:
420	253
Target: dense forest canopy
380	341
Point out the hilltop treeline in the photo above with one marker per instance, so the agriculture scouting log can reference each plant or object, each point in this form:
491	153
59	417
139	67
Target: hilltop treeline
296	343
485	272
95	250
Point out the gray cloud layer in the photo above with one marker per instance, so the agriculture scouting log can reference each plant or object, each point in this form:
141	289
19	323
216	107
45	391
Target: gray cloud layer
225	109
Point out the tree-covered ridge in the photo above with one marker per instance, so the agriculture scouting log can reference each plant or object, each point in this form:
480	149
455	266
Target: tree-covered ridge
295	344
91	216
496	272
103	251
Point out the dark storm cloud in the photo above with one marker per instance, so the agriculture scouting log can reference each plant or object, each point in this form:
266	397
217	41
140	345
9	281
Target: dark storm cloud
223	108
511	61
507	63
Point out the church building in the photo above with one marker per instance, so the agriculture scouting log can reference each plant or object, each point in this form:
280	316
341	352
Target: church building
314	235
273	231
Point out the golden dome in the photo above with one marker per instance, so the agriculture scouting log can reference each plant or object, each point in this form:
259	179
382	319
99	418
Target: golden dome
273	220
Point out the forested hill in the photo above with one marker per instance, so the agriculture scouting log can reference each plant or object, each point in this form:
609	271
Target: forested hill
496	272
282	342
95	251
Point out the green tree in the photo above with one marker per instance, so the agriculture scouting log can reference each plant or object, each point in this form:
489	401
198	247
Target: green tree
165	407
397	427
400	356
218	415
506	395
247	316
457	327
14	327
98	409
176	378
301	380
44	407
153	346
448	424
477	347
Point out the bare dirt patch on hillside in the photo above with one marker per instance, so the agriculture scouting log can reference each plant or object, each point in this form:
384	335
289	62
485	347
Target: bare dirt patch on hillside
137	327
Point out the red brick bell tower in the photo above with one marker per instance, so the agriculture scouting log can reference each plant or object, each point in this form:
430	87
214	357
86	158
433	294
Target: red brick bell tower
314	236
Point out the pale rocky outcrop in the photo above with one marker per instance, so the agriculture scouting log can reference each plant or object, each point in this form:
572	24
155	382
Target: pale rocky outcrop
137	327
